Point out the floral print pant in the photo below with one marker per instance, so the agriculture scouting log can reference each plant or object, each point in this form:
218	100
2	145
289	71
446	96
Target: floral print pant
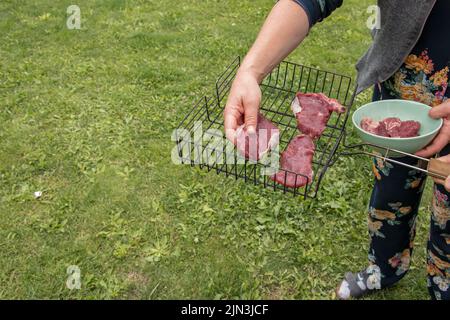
392	217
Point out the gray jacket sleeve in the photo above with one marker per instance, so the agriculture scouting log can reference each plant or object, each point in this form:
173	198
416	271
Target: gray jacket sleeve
317	10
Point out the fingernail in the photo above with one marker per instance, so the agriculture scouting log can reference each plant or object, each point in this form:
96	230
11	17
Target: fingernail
251	130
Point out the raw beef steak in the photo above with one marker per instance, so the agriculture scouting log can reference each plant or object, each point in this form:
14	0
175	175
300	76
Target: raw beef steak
313	110
254	147
297	158
391	127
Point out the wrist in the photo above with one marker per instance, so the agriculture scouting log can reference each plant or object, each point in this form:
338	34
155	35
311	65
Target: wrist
251	71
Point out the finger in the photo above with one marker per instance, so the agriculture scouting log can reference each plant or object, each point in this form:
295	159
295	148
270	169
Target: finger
231	116
444	158
437	145
251	107
438	181
440	111
230	123
447	184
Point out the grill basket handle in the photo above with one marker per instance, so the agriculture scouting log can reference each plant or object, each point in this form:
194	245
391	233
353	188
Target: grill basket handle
438	167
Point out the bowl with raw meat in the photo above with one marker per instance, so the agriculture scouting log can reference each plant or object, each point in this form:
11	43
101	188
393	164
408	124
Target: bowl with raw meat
396	124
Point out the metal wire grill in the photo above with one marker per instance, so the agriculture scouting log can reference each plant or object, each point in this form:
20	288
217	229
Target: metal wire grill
278	91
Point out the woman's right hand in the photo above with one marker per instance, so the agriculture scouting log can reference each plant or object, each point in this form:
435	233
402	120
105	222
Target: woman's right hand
242	104
285	27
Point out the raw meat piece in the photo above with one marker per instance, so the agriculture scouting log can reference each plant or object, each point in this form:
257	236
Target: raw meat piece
254	147
391	127
375	127
312	111
409	129
297	158
370	125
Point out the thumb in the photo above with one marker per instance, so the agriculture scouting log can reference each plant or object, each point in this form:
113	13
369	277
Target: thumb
445	158
447	184
440	111
251	110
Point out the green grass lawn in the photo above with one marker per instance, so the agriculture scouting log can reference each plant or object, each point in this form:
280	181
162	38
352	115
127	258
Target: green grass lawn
86	117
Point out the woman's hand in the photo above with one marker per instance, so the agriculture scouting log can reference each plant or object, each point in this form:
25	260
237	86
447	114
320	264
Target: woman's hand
445	183
285	27
443	138
242	105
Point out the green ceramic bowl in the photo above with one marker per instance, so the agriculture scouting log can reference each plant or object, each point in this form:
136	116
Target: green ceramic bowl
405	110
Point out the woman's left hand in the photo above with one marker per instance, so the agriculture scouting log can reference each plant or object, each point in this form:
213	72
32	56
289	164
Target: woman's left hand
441	140
443	137
446	182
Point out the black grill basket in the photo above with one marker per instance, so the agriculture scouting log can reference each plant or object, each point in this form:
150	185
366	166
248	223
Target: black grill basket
278	91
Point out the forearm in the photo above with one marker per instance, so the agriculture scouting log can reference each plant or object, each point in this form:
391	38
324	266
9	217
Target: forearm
284	29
